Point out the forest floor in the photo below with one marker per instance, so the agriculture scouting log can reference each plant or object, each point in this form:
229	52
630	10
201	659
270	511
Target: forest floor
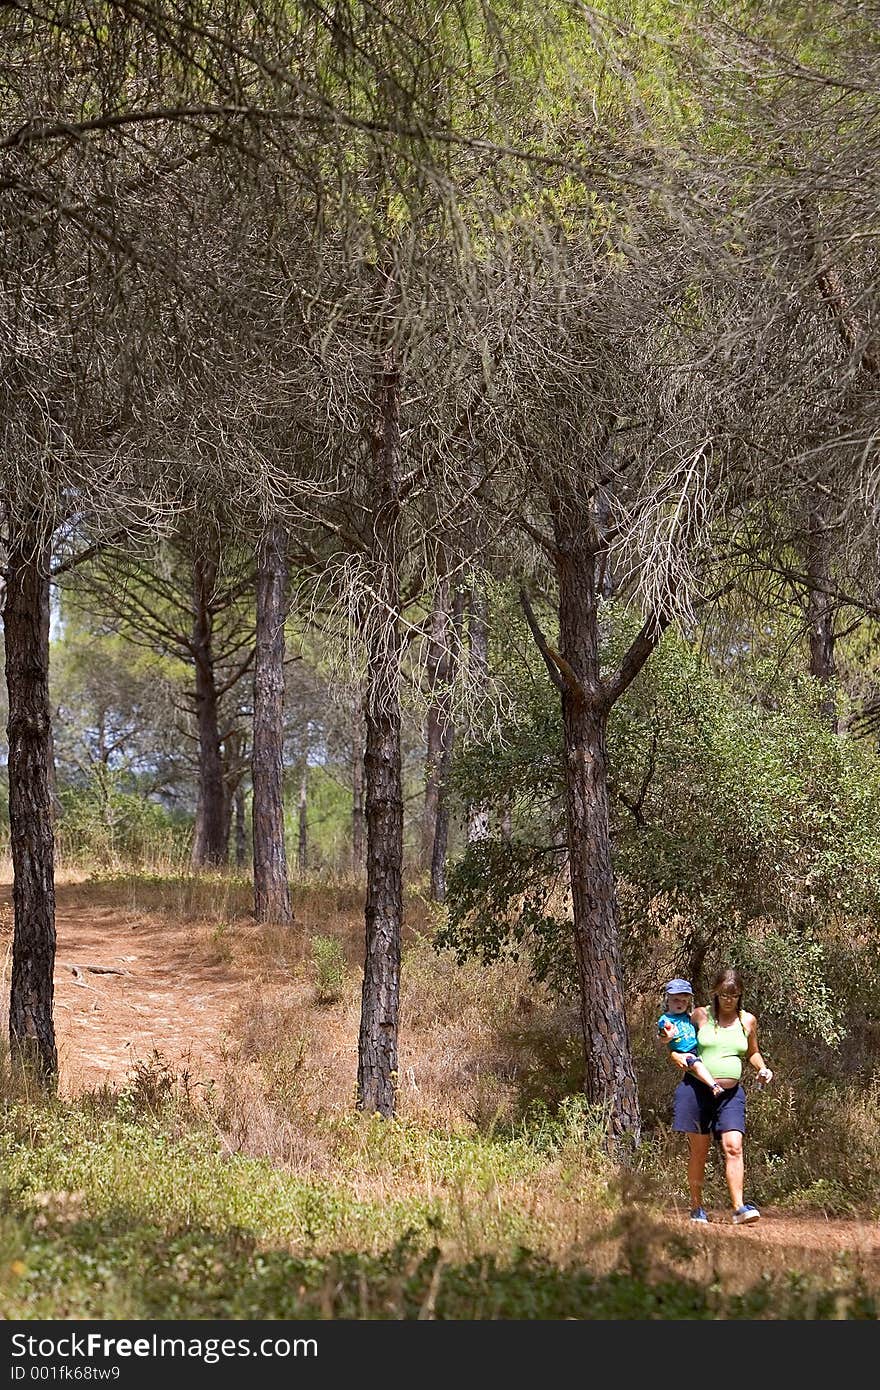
131	985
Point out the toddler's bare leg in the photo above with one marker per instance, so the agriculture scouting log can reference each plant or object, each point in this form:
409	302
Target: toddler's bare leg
699	1070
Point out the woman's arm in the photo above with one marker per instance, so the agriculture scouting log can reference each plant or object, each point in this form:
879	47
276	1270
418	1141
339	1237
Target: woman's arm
753	1054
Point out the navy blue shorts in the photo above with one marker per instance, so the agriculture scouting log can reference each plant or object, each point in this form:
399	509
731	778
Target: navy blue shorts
696	1111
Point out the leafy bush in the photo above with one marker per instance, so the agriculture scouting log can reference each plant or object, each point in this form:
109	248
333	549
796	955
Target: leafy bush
330	969
107	820
743	829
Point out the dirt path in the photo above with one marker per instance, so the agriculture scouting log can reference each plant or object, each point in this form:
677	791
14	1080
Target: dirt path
129	984
737	1257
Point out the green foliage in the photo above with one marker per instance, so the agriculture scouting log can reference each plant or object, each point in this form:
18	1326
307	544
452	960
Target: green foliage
743	829
330	969
106	820
328	818
501	897
116	705
787	975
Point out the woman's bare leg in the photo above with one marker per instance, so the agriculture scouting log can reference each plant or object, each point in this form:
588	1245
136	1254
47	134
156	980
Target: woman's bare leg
732	1148
698	1152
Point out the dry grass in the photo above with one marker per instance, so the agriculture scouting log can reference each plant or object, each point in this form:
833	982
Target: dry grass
478	1044
487	1060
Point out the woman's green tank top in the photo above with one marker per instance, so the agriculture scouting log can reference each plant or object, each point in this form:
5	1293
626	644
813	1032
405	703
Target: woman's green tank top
723	1049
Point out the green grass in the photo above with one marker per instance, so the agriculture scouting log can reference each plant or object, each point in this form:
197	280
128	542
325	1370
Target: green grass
118	1159
111	1209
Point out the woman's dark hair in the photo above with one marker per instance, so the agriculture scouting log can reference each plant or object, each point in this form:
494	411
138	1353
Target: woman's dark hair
727	979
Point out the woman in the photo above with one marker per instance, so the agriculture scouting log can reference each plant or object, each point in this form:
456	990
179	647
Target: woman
726	1035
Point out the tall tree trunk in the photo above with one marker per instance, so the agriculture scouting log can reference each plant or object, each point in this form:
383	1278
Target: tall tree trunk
587	698
820	615
232	746
240	828
478	675
271	886
211	840
377	1045
302	844
433	739
446	723
610	1075
377	1065
26	626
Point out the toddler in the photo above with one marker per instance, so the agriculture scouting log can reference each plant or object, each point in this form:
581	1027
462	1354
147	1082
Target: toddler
675	1025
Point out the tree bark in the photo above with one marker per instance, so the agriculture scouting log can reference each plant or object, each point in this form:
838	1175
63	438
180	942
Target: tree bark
377	1045
26	626
610	1075
271	886
377	1066
580	553
478	675
240	828
211	840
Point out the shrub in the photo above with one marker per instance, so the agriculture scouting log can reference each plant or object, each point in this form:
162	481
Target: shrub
330	969
107	820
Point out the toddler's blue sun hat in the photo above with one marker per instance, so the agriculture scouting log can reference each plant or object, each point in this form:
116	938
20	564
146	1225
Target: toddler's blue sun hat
677	987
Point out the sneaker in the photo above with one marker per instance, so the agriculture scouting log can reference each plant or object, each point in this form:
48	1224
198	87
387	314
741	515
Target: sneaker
698	1214
746	1213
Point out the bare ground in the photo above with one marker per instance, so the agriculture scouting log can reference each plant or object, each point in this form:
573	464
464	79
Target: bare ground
165	994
